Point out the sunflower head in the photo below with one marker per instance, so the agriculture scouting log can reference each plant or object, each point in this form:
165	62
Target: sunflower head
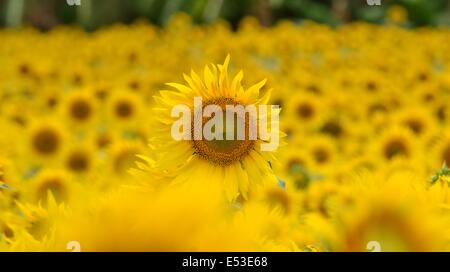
80	108
46	139
124	155
125	106
79	160
56	183
397	143
235	162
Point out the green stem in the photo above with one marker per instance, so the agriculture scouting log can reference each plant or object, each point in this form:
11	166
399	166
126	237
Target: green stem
14	12
84	13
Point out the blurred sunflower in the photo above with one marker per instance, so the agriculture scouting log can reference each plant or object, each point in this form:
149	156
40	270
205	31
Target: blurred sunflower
46	139
55	182
79	159
394	143
79	108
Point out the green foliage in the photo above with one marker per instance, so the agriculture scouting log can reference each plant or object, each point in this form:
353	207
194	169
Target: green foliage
95	13
443	172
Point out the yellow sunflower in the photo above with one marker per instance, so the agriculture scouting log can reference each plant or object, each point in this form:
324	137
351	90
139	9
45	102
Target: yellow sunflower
305	108
237	164
396	142
56	182
79	160
80	108
397	14
123	155
391	214
45	139
416	119
125	109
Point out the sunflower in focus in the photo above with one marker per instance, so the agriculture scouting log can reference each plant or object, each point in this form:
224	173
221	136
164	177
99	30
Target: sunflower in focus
237	164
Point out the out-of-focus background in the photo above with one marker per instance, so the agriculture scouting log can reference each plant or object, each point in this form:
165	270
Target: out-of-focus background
92	14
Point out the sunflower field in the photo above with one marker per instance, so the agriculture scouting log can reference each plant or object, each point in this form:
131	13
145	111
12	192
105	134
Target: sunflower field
87	157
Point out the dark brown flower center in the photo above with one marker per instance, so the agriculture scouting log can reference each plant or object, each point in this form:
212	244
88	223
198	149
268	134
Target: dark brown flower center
305	111
78	161
395	147
124	109
46	141
80	110
224	152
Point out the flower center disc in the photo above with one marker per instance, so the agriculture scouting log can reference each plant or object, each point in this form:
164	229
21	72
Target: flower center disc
224	152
